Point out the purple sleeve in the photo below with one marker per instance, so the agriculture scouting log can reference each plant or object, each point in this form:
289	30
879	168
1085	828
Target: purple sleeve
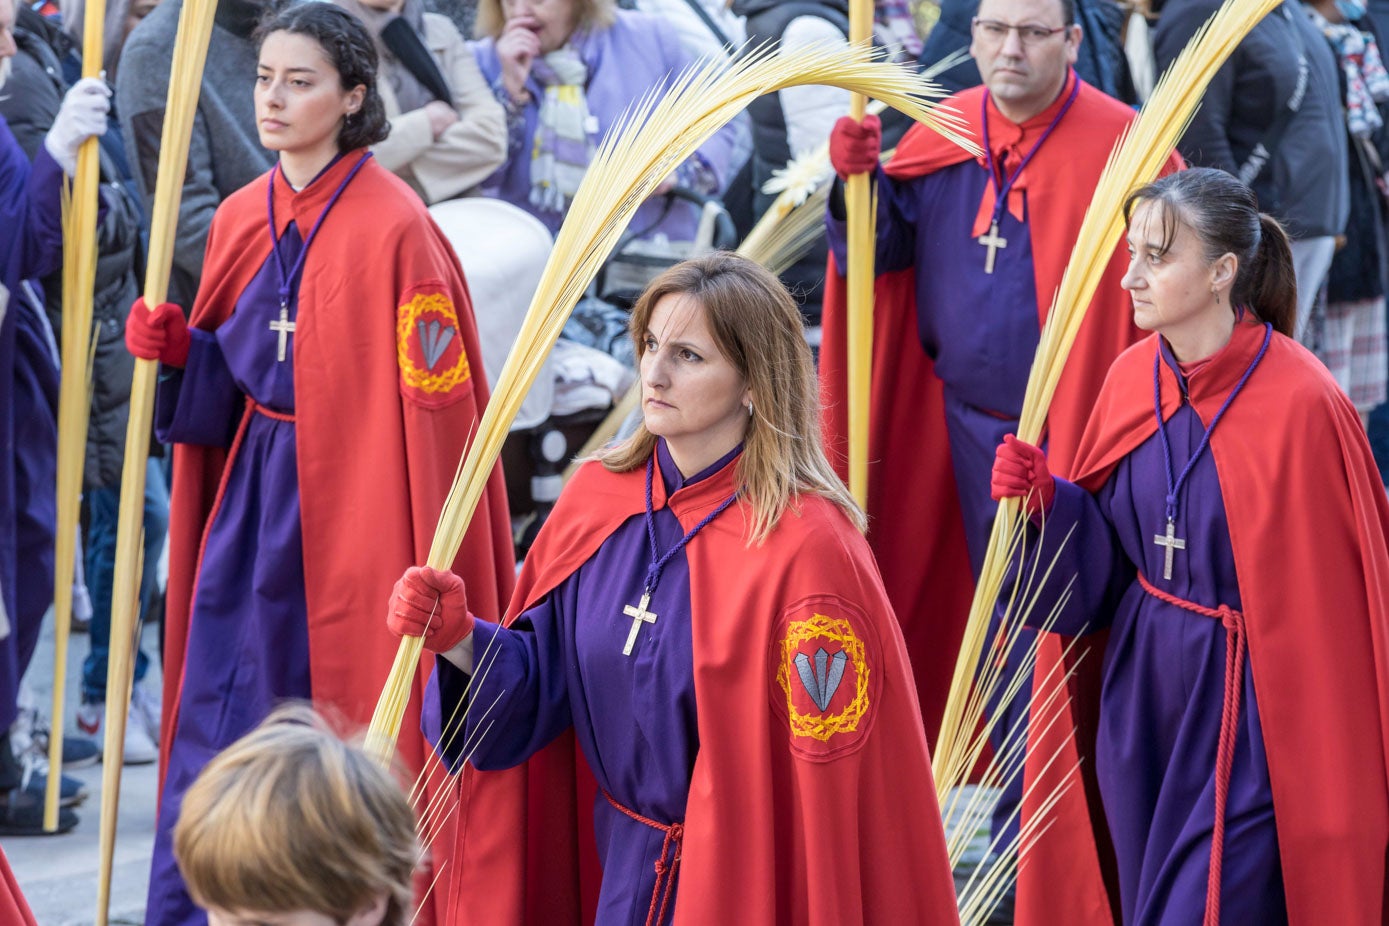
896	224
31	216
515	702
200	404
1078	545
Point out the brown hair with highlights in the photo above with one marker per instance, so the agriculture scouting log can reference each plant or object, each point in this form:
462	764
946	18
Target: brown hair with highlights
758	328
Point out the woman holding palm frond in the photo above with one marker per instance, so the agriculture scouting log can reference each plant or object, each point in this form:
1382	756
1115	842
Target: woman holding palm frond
702	615
1227	530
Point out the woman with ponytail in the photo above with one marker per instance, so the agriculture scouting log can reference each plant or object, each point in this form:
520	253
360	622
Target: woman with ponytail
1225	530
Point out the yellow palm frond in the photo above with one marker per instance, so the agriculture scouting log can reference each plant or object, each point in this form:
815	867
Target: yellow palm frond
649	142
185	81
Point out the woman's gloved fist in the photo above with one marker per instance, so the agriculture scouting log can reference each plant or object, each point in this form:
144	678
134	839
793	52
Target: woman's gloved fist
432	604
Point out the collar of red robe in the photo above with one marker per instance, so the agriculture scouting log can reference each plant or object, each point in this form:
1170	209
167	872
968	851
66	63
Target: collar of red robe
1209	384
1004	133
304	207
699	494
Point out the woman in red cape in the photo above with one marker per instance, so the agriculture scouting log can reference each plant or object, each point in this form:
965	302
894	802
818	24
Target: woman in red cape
1226	532
318	402
702	616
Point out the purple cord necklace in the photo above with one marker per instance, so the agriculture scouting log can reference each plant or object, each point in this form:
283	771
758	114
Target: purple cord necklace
639	614
1170	540
993	241
282	326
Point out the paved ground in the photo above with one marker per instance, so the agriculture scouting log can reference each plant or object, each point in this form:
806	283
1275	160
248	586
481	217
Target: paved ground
58	874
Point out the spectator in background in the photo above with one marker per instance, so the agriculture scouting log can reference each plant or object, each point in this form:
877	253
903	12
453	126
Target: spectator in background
122	16
709	29
225	122
448	132
1271	116
1352	342
565	71
792	122
1379	15
36	89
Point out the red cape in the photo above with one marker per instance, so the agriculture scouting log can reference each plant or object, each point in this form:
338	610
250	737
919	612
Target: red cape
378	434
915	525
14	910
1308	523
781	827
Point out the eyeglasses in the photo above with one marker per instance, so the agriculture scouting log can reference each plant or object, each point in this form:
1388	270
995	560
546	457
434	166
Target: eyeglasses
991	30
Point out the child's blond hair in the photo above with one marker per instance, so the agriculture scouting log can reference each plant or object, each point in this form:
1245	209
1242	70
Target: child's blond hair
288	818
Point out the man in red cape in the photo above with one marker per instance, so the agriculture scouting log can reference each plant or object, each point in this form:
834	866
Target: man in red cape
1310	554
779	827
385	402
957	316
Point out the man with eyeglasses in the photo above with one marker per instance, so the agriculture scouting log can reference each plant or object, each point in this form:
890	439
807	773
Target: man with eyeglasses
969	254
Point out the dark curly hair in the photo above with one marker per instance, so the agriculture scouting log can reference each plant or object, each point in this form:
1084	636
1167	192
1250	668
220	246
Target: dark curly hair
349	48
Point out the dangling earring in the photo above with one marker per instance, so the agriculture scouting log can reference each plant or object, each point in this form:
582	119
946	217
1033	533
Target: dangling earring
749	408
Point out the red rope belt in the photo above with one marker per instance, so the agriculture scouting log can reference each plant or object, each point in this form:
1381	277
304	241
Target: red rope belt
665	871
253	406
1229	718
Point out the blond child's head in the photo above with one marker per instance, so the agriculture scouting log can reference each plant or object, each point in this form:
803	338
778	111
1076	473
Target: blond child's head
290	826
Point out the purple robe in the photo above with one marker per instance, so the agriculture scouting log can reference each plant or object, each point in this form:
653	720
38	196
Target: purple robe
561	664
1164	685
248	645
635	55
981	330
31	246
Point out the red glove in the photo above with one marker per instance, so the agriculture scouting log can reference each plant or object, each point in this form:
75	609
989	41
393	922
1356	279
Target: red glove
1020	471
159	335
431	604
856	146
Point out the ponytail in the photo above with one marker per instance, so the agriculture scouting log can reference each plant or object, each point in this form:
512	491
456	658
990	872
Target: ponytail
1224	214
1268	284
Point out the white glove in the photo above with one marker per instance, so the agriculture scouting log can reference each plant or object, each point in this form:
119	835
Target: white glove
82	115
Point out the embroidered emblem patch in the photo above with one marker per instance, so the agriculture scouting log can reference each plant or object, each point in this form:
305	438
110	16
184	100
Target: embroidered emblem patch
429	349
819	683
826	678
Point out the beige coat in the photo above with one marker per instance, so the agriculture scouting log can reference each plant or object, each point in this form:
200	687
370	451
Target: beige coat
470	149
